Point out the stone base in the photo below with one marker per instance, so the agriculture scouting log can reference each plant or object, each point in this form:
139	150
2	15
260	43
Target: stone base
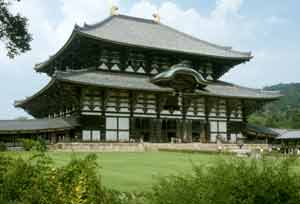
143	147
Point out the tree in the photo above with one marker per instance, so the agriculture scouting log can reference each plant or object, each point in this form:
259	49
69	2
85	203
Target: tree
295	116
13	30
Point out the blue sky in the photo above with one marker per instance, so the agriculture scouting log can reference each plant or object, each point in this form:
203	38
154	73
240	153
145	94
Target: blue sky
269	28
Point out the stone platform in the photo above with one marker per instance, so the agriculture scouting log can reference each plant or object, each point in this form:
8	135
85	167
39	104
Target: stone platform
142	147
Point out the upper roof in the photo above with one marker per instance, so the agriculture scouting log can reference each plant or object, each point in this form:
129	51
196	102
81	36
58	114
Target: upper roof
139	32
148	33
7	126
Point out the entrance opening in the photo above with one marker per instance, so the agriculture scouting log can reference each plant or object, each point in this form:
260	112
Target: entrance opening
169	128
198	130
142	129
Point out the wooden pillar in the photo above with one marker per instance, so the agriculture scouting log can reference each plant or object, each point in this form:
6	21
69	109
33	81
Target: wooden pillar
163	130
184	125
132	129
184	130
229	109
53	139
67	136
159	129
203	134
14	140
159	121
103	109
244	115
207	125
166	131
178	129
189	131
157	133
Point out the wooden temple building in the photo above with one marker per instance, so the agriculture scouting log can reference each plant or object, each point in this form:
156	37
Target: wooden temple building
131	79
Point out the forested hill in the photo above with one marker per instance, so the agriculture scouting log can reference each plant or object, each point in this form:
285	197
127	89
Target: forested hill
284	113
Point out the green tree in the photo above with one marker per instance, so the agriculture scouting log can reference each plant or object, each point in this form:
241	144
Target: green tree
13	30
295	119
271	121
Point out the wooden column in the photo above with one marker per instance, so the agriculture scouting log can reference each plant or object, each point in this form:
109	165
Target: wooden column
244	115
184	125
178	129
103	109
207	108
158	121
156	126
132	129
228	115
189	131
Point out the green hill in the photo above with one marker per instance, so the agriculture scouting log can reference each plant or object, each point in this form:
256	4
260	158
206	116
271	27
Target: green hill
284	113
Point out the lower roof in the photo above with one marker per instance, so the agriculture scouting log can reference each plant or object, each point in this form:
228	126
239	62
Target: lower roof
36	125
260	130
137	82
142	82
289	135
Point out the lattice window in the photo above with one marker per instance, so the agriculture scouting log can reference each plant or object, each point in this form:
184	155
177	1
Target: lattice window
117	129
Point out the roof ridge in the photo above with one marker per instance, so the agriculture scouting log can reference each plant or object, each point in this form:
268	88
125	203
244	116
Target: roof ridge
91	26
87	26
145	20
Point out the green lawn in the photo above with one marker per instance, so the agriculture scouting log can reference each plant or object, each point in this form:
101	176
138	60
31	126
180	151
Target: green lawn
136	171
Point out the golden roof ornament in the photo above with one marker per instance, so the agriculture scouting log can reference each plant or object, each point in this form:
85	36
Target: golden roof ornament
114	10
156	17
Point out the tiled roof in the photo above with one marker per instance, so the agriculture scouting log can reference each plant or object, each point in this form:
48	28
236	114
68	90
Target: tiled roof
139	32
224	89
260	129
141	82
127	81
36	125
290	134
111	80
148	33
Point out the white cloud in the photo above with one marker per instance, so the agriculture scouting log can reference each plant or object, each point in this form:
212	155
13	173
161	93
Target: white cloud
223	25
227	8
49	35
82	11
143	9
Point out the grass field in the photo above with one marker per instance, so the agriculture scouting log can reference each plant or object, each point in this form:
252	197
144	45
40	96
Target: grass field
136	171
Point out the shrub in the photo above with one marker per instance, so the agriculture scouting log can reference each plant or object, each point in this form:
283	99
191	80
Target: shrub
27	144
37	145
36	181
236	181
40	145
3	147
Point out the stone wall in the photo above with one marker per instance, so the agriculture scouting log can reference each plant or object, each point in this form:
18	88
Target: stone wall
142	147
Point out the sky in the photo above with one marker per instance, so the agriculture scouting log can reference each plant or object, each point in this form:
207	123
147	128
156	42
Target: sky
269	29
